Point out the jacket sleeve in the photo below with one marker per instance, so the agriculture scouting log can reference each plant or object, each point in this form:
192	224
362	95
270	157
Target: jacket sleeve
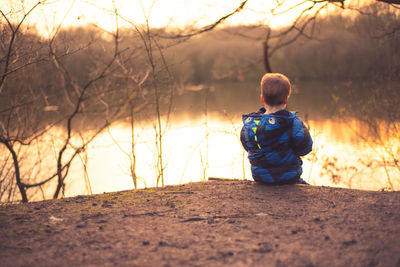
302	141
248	135
244	138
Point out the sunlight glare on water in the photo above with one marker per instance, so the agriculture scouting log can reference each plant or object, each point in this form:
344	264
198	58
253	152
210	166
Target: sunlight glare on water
184	155
336	148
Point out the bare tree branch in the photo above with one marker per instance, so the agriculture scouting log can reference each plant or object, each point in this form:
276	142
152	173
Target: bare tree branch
14	32
211	26
395	2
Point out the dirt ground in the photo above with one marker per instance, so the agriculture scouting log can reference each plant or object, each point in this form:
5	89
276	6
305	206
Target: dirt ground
215	223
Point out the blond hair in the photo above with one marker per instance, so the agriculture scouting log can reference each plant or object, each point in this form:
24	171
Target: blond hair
275	89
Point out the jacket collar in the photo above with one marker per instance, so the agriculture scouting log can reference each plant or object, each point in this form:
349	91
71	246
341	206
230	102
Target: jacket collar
281	113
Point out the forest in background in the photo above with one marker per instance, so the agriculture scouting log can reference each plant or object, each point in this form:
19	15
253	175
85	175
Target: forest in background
86	79
343	48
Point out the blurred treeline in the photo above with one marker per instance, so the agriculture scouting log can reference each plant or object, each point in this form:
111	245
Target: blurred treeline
39	86
362	46
342	48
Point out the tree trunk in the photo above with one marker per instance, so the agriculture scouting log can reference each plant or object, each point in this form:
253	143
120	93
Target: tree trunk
20	185
266	57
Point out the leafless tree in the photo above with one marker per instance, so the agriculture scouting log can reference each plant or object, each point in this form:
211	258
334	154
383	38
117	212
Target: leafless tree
22	124
90	90
17	53
161	83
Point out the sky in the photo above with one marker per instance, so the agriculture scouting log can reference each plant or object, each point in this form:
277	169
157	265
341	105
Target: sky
160	13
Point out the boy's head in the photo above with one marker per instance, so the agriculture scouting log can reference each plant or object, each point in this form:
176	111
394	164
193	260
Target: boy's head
275	89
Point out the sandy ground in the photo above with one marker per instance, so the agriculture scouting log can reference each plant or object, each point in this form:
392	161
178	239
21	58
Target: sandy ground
216	223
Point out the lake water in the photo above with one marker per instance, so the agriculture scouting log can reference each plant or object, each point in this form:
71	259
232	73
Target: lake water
337	155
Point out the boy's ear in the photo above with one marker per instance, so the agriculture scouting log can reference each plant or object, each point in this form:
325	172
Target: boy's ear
286	100
262	99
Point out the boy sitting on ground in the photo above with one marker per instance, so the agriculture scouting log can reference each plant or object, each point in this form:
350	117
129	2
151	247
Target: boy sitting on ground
274	137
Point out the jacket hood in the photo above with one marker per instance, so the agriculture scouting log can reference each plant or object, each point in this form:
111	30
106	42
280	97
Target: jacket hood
268	128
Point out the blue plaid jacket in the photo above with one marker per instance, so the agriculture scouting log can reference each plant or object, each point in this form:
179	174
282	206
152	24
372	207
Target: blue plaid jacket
274	143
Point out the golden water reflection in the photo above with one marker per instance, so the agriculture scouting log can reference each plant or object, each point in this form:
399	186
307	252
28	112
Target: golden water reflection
339	158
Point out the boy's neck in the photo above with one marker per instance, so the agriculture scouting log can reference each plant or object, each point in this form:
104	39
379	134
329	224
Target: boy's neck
273	109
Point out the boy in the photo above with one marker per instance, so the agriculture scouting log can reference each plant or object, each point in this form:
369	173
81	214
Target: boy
273	137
